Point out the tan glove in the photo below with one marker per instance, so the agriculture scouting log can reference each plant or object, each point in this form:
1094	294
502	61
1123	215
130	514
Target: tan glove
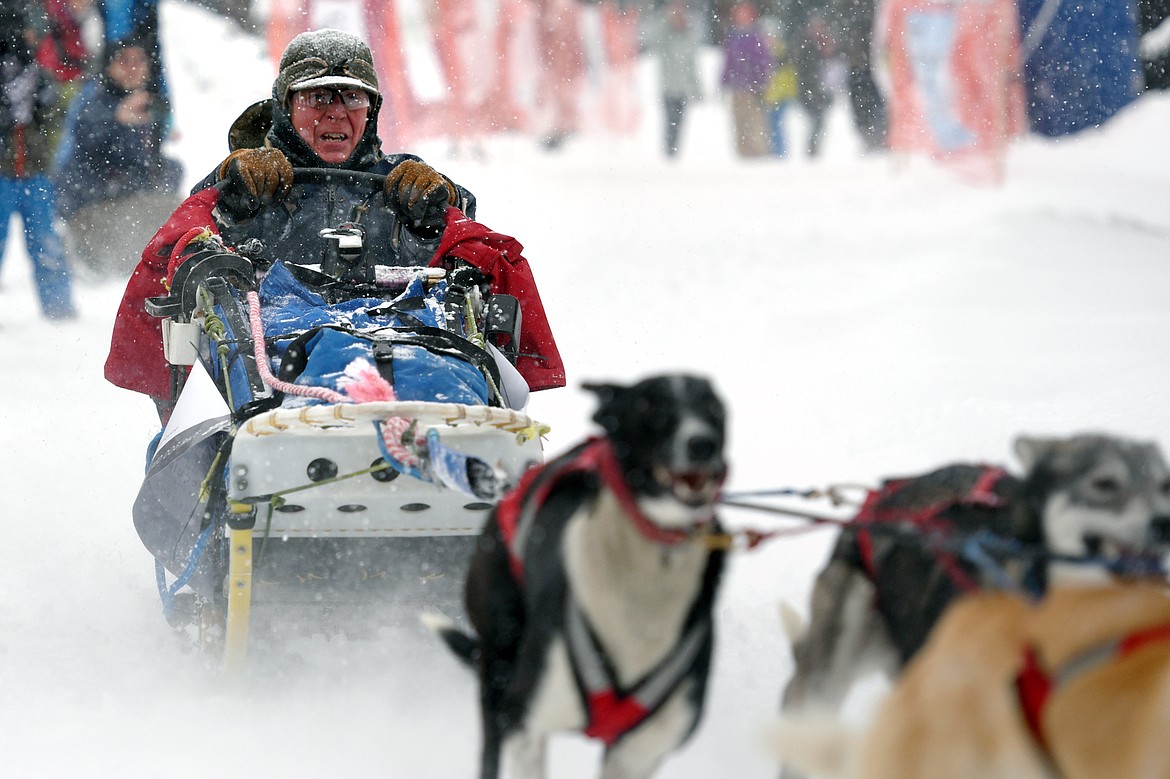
252	177
420	194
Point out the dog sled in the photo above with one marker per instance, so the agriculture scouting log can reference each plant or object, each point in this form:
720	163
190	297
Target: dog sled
341	432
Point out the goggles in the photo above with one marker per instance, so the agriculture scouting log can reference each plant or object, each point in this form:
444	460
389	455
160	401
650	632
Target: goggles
323	97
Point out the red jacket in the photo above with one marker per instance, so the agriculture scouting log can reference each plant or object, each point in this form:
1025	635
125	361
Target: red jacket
500	257
62	51
136	359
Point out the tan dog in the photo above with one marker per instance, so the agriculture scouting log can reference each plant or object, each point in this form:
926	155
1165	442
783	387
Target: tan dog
957	712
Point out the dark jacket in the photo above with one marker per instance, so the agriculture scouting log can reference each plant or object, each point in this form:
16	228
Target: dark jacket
28	116
290	230
110	160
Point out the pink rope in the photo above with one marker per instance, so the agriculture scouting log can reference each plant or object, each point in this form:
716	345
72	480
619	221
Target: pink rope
320	393
393	431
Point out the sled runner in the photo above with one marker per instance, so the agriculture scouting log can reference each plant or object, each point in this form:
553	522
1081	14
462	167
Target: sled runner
341	432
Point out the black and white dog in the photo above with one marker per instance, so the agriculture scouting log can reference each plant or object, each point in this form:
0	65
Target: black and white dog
592	586
1083	499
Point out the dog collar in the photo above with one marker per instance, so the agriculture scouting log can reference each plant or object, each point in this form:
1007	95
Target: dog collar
517	509
600	455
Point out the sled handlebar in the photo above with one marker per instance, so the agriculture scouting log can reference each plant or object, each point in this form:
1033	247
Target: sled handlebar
336	175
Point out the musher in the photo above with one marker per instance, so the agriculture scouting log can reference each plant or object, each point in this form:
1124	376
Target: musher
323	113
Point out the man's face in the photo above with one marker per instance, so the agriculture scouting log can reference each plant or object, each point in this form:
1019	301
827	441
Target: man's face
331	129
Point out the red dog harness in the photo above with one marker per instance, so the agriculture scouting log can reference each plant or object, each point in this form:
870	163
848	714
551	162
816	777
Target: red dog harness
982	493
1035	686
519	507
611	711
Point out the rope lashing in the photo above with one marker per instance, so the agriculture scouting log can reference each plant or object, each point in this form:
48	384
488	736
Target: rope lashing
813	519
395	433
265	370
834	493
984	548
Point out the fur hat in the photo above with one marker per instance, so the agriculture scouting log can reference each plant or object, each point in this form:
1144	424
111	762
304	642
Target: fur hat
325	58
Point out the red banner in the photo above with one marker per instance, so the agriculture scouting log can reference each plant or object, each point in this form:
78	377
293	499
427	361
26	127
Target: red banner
954	77
460	68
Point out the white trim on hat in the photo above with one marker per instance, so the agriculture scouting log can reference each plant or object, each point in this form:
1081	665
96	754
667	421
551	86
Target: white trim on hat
332	81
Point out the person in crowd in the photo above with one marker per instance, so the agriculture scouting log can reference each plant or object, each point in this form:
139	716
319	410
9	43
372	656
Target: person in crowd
853	33
137	19
747	66
678	50
323	114
28	115
66	49
563	66
116	178
781	90
814	51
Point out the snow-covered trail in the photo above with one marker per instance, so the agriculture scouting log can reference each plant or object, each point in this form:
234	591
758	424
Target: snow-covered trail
863	318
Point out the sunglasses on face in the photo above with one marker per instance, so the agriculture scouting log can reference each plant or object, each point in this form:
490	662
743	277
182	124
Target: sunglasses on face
352	99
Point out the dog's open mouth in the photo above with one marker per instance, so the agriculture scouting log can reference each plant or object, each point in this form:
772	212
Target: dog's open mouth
694	488
1122	558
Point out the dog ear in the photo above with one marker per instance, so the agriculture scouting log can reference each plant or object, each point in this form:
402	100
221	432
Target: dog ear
606	394
1032	449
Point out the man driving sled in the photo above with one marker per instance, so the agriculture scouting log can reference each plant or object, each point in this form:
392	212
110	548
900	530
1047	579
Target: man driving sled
323	114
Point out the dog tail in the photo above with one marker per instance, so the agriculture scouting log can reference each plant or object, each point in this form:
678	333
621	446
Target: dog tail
465	647
816	746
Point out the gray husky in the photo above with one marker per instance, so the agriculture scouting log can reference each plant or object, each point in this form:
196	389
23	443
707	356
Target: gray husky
1088	498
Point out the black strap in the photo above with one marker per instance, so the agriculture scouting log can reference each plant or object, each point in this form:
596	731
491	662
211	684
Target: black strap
384	360
432	339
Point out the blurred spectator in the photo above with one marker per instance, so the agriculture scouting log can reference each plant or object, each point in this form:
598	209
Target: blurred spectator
747	67
1155	50
563	63
27	113
239	11
137	19
72	35
852	32
116	182
782	89
678	49
814	52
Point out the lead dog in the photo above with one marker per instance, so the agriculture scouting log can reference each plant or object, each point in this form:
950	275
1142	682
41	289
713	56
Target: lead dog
876	600
591	590
1076	687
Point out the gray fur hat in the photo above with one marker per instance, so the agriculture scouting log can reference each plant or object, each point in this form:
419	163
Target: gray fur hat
325	58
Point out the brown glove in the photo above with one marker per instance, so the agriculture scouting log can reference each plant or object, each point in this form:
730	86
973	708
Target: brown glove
420	195
251	177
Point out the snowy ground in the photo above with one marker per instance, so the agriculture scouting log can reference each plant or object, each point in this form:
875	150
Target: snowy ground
862	317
